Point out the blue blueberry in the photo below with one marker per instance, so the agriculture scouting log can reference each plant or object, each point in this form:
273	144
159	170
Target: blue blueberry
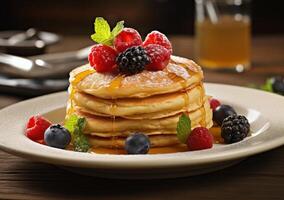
222	112
57	136
137	143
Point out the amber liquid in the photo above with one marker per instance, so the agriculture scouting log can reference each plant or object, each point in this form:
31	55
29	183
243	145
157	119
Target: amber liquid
225	44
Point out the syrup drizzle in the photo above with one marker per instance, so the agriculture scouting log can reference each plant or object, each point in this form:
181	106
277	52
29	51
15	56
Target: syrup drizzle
114	85
153	150
73	87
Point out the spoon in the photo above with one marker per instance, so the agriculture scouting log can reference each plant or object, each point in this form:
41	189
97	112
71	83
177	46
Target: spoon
49	65
29	34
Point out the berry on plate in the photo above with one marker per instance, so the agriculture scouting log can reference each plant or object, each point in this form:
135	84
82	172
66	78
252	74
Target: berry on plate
137	143
235	128
278	85
221	112
128	37
132	60
155	37
159	57
57	136
102	58
36	126
199	139
214	103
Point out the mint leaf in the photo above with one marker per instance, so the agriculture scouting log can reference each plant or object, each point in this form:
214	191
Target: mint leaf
81	124
117	29
267	86
81	144
183	128
102	27
102	34
76	127
71	123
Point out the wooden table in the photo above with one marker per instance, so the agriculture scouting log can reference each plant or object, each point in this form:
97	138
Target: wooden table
258	177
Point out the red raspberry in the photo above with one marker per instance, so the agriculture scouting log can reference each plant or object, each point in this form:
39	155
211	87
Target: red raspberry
214	103
102	58
155	37
128	37
199	139
159	56
36	127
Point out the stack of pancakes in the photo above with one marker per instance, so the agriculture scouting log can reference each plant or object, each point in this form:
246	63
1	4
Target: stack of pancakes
115	105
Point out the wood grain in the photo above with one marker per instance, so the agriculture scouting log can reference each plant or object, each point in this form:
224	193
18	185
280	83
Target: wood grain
259	177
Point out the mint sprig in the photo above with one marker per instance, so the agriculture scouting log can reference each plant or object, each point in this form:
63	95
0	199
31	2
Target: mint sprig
267	86
183	128
75	126
102	34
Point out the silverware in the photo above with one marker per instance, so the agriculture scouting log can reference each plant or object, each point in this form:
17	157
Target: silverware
31	87
49	65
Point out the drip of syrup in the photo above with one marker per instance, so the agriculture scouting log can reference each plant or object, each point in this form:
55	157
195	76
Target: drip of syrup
73	84
216	132
114	85
154	150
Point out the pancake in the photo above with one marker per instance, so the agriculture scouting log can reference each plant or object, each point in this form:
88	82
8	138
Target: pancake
180	74
107	127
154	107
155	141
115	105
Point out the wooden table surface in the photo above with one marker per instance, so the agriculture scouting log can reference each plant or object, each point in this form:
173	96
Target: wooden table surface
258	177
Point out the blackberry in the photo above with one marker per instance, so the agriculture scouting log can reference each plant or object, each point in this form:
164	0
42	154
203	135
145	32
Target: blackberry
278	85
133	60
235	128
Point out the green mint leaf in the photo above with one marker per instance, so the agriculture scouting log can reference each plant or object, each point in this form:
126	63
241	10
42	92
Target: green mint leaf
76	126
81	124
183	128
267	86
81	144
102	34
71	123
117	29
102	27
102	31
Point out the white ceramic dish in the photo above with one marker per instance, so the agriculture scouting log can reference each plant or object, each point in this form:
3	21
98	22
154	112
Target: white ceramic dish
264	111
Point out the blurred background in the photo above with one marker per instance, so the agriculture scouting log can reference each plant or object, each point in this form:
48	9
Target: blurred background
71	23
169	16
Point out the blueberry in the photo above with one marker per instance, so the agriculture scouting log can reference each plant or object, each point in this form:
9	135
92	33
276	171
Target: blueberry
278	85
222	112
137	143
57	136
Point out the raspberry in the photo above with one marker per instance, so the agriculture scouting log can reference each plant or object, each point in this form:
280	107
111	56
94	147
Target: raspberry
132	60
199	139
102	58
159	56
214	103
155	37
234	128
128	37
36	127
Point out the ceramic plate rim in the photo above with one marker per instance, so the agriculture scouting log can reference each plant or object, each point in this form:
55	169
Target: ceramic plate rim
76	159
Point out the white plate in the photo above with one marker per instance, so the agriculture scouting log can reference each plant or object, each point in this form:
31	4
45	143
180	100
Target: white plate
264	111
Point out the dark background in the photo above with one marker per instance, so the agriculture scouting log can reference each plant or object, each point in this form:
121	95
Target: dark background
168	16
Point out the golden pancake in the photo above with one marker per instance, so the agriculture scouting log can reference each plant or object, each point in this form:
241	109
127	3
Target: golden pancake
155	140
180	74
153	107
106	127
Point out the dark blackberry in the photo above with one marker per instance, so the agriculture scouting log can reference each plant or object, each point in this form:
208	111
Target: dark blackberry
278	85
133	60
235	128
